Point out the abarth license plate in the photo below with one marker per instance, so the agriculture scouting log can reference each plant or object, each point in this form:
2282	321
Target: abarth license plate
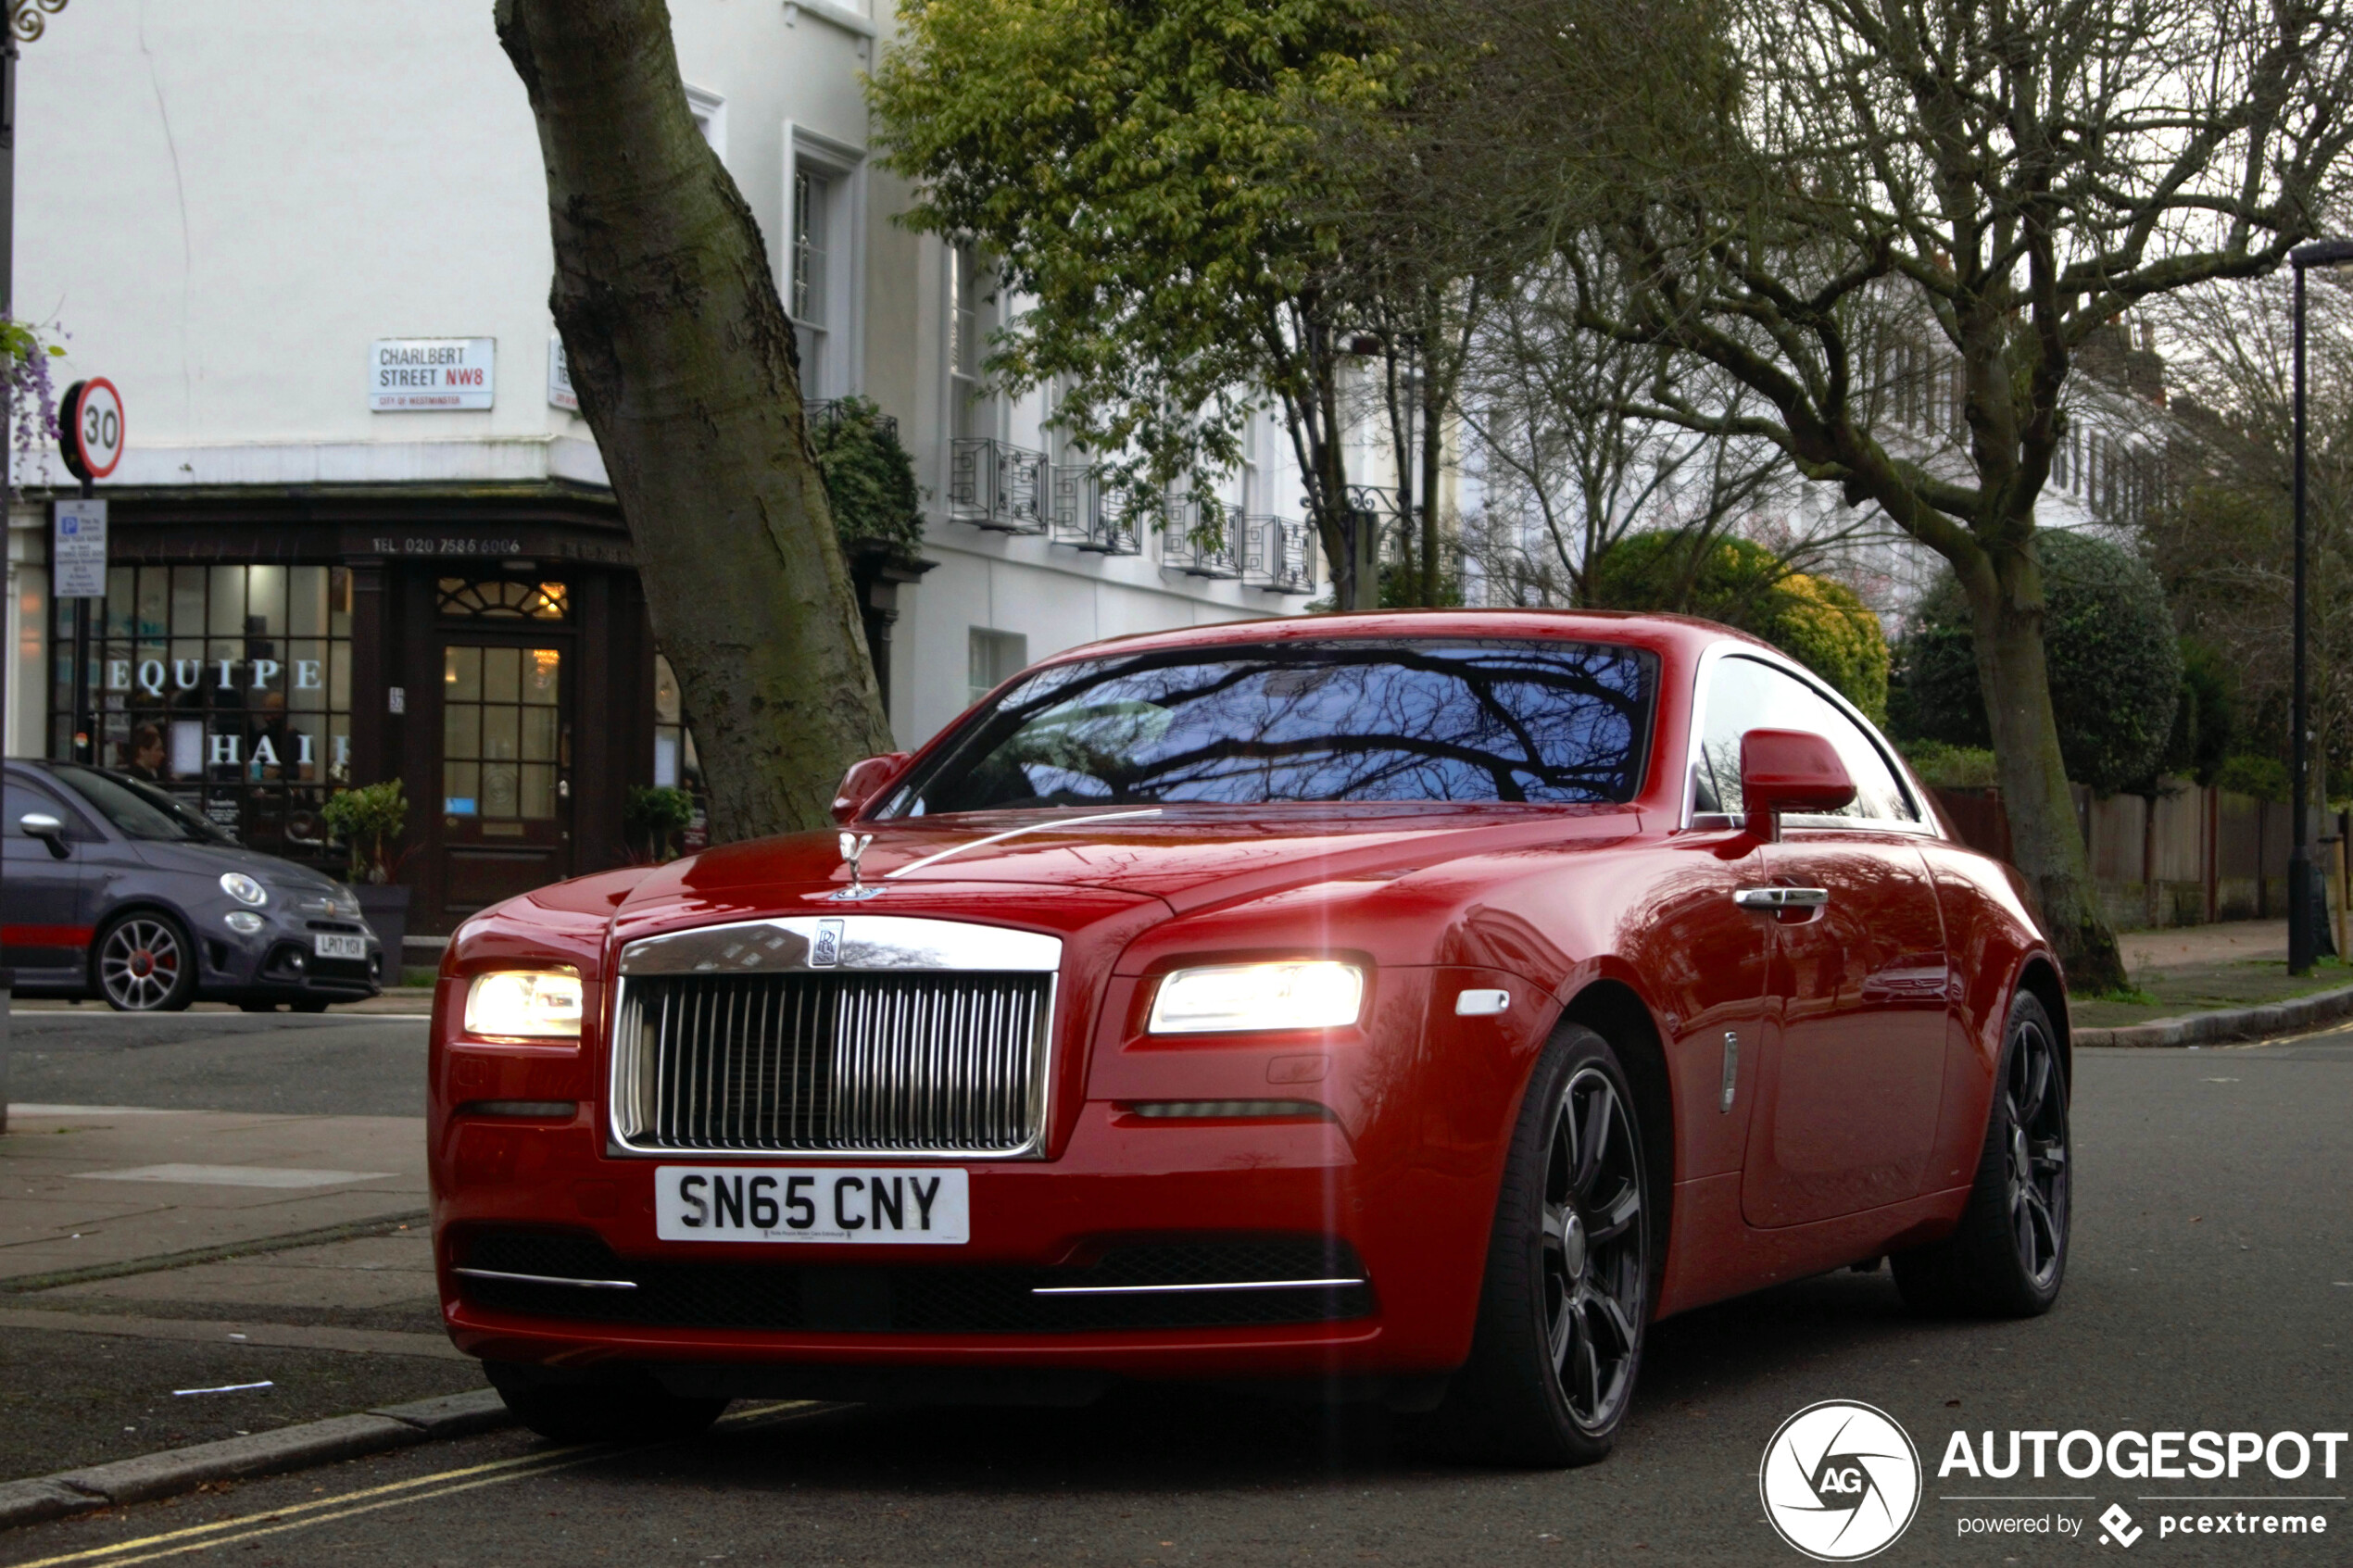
831	1203
329	946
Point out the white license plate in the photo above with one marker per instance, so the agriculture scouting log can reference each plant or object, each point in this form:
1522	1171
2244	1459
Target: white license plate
330	946
769	1203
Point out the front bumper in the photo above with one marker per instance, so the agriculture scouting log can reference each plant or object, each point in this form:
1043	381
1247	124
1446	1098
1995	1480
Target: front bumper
281	963
762	1318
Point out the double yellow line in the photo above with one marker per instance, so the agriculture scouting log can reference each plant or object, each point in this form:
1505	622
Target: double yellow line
369	1500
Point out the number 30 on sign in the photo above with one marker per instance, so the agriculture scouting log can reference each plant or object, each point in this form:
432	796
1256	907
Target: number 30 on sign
90	428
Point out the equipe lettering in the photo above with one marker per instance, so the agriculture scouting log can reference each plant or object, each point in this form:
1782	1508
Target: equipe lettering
842	1186
923	1200
763	1205
690	1193
264	671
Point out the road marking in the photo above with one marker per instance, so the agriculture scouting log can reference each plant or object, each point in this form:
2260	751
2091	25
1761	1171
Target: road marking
236	1175
92	1111
393	1494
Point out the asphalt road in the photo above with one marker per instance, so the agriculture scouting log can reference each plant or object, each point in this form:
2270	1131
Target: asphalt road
2211	1286
322	1064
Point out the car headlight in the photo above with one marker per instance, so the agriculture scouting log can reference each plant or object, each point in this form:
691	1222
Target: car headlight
244	889
524	1005
1306	994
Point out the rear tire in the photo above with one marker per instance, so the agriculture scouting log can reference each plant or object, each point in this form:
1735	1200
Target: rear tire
2007	1257
614	1407
143	961
1566	1302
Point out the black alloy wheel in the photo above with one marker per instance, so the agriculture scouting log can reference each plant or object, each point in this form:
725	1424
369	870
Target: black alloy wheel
1568	1292
144	962
2008	1255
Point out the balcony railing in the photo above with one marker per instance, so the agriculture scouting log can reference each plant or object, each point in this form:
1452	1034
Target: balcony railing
994	485
1087	516
1202	537
819	412
1279	555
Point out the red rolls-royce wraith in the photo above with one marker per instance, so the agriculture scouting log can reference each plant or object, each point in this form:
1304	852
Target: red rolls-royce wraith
1418	1004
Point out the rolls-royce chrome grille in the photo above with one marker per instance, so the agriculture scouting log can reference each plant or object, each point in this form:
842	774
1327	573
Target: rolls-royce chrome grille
856	1034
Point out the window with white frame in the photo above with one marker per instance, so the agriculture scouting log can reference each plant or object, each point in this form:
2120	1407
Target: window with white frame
709	110
812	203
994	658
969	414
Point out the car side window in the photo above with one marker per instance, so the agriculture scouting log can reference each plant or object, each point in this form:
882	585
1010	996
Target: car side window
1747	694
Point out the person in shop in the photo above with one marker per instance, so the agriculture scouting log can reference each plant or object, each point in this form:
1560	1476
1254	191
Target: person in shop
143	754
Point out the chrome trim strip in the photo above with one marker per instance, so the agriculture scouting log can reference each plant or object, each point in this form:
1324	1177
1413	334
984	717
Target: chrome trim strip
1926	827
868	942
1065	823
1169	1290
549	1279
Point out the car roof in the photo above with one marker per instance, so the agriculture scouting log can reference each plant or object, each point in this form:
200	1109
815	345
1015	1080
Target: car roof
1683	635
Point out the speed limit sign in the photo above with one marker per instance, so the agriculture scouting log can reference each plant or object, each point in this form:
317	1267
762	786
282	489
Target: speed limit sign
90	428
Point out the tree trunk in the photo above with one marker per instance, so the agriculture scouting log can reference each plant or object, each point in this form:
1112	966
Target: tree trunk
2005	614
687	372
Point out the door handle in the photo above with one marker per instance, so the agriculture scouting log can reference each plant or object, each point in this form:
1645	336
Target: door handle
1781	897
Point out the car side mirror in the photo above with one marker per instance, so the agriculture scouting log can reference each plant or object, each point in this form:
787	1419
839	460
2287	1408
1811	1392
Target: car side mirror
863	781
1789	771
47	828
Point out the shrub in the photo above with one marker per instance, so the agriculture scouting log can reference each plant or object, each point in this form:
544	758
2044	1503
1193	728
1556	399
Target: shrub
1821	623
367	820
2108	638
2262	777
1950	767
649	814
870	480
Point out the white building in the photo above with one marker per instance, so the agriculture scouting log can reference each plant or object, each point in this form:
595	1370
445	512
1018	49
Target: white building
241	216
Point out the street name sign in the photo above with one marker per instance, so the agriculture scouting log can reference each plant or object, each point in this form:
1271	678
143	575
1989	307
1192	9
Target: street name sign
431	374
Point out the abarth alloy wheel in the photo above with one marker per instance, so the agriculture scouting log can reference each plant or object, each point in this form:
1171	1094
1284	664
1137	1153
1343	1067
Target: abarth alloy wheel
142	965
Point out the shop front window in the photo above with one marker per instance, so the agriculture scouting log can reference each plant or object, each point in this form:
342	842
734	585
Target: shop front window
675	764
229	685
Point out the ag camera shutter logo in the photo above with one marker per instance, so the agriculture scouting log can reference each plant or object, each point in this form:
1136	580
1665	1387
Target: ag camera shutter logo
1841	1481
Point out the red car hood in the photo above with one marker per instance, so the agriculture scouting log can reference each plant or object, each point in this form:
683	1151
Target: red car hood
1186	856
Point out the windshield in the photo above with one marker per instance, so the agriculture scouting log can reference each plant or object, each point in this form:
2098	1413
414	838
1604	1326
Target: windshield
140	811
1344	719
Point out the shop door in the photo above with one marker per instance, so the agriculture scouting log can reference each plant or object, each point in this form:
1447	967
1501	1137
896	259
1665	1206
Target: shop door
506	785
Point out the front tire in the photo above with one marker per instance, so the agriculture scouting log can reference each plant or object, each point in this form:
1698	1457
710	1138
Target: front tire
2007	1257
143	961
1566	1302
616	1406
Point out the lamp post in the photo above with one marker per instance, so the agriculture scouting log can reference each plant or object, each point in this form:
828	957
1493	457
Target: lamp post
26	21
2302	889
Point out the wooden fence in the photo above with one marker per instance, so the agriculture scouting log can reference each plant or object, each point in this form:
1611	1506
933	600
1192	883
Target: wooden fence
2192	856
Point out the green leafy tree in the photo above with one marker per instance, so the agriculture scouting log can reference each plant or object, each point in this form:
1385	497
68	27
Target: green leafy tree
1821	623
1839	203
2116	678
1153	179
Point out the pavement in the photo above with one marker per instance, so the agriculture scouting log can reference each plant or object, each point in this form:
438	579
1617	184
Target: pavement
2210	1288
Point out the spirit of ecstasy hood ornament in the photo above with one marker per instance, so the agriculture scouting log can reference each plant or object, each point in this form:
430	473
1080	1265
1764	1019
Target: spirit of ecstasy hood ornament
853	849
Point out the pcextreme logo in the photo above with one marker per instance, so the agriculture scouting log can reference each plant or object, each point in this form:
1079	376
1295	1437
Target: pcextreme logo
1841	1481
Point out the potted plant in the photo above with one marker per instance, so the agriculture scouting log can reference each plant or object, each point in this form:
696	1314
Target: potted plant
649	815
369	821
